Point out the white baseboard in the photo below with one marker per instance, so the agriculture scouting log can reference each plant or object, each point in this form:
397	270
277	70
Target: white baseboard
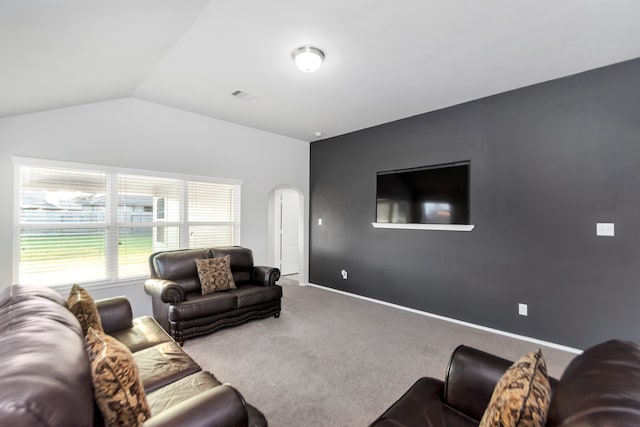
449	319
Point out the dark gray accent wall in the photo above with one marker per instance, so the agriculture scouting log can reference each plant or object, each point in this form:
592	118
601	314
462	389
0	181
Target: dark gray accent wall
547	163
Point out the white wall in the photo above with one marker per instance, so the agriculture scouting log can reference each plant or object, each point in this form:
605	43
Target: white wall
138	134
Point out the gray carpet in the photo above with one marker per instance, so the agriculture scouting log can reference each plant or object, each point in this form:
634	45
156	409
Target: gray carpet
334	360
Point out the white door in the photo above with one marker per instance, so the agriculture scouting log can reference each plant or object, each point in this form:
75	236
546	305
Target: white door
289	229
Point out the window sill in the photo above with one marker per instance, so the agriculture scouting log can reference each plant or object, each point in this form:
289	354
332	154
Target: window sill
63	289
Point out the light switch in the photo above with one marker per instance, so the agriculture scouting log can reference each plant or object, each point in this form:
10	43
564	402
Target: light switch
605	229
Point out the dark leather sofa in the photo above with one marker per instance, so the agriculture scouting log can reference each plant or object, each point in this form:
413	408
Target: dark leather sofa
182	310
600	387
45	375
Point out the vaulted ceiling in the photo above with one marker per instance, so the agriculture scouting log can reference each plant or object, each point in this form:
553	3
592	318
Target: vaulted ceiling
385	60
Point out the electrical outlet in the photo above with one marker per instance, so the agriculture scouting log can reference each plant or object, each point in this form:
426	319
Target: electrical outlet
320	221
344	274
523	309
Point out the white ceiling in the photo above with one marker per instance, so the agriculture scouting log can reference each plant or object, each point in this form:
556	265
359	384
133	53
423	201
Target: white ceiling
385	60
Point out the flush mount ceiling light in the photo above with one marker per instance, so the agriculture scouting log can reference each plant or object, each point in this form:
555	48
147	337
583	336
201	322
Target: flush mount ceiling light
308	58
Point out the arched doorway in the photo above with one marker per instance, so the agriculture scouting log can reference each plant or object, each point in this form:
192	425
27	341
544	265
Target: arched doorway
286	231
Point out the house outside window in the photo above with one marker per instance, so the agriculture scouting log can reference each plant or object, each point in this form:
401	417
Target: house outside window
79	223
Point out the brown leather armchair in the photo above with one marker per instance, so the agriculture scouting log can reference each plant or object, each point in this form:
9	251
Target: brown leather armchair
459	400
182	310
600	387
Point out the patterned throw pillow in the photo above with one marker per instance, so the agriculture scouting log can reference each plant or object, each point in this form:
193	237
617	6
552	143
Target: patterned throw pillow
84	308
215	274
521	397
117	386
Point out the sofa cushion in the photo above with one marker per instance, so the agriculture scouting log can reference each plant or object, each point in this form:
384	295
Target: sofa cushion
82	305
215	274
421	406
241	261
179	266
118	390
144	333
199	306
253	294
178	391
521	397
163	364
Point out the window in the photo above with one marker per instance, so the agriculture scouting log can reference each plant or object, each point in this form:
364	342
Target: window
88	224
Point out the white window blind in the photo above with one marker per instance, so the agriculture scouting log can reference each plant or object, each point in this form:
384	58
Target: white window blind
90	224
148	210
214	214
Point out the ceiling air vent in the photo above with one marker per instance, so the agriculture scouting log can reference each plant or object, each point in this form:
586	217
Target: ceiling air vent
243	96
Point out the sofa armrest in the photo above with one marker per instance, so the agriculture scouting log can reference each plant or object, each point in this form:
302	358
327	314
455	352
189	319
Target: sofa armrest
115	313
471	376
266	276
220	406
167	290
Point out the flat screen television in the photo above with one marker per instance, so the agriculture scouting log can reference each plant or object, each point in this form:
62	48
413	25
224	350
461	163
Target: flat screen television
437	194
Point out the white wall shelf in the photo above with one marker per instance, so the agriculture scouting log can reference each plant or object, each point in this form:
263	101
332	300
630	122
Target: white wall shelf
438	227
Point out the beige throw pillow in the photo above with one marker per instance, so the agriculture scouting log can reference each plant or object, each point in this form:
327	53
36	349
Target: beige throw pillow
118	389
215	274
521	397
82	305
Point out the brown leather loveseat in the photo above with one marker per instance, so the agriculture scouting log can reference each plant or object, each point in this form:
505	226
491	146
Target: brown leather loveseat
46	378
600	387
180	306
